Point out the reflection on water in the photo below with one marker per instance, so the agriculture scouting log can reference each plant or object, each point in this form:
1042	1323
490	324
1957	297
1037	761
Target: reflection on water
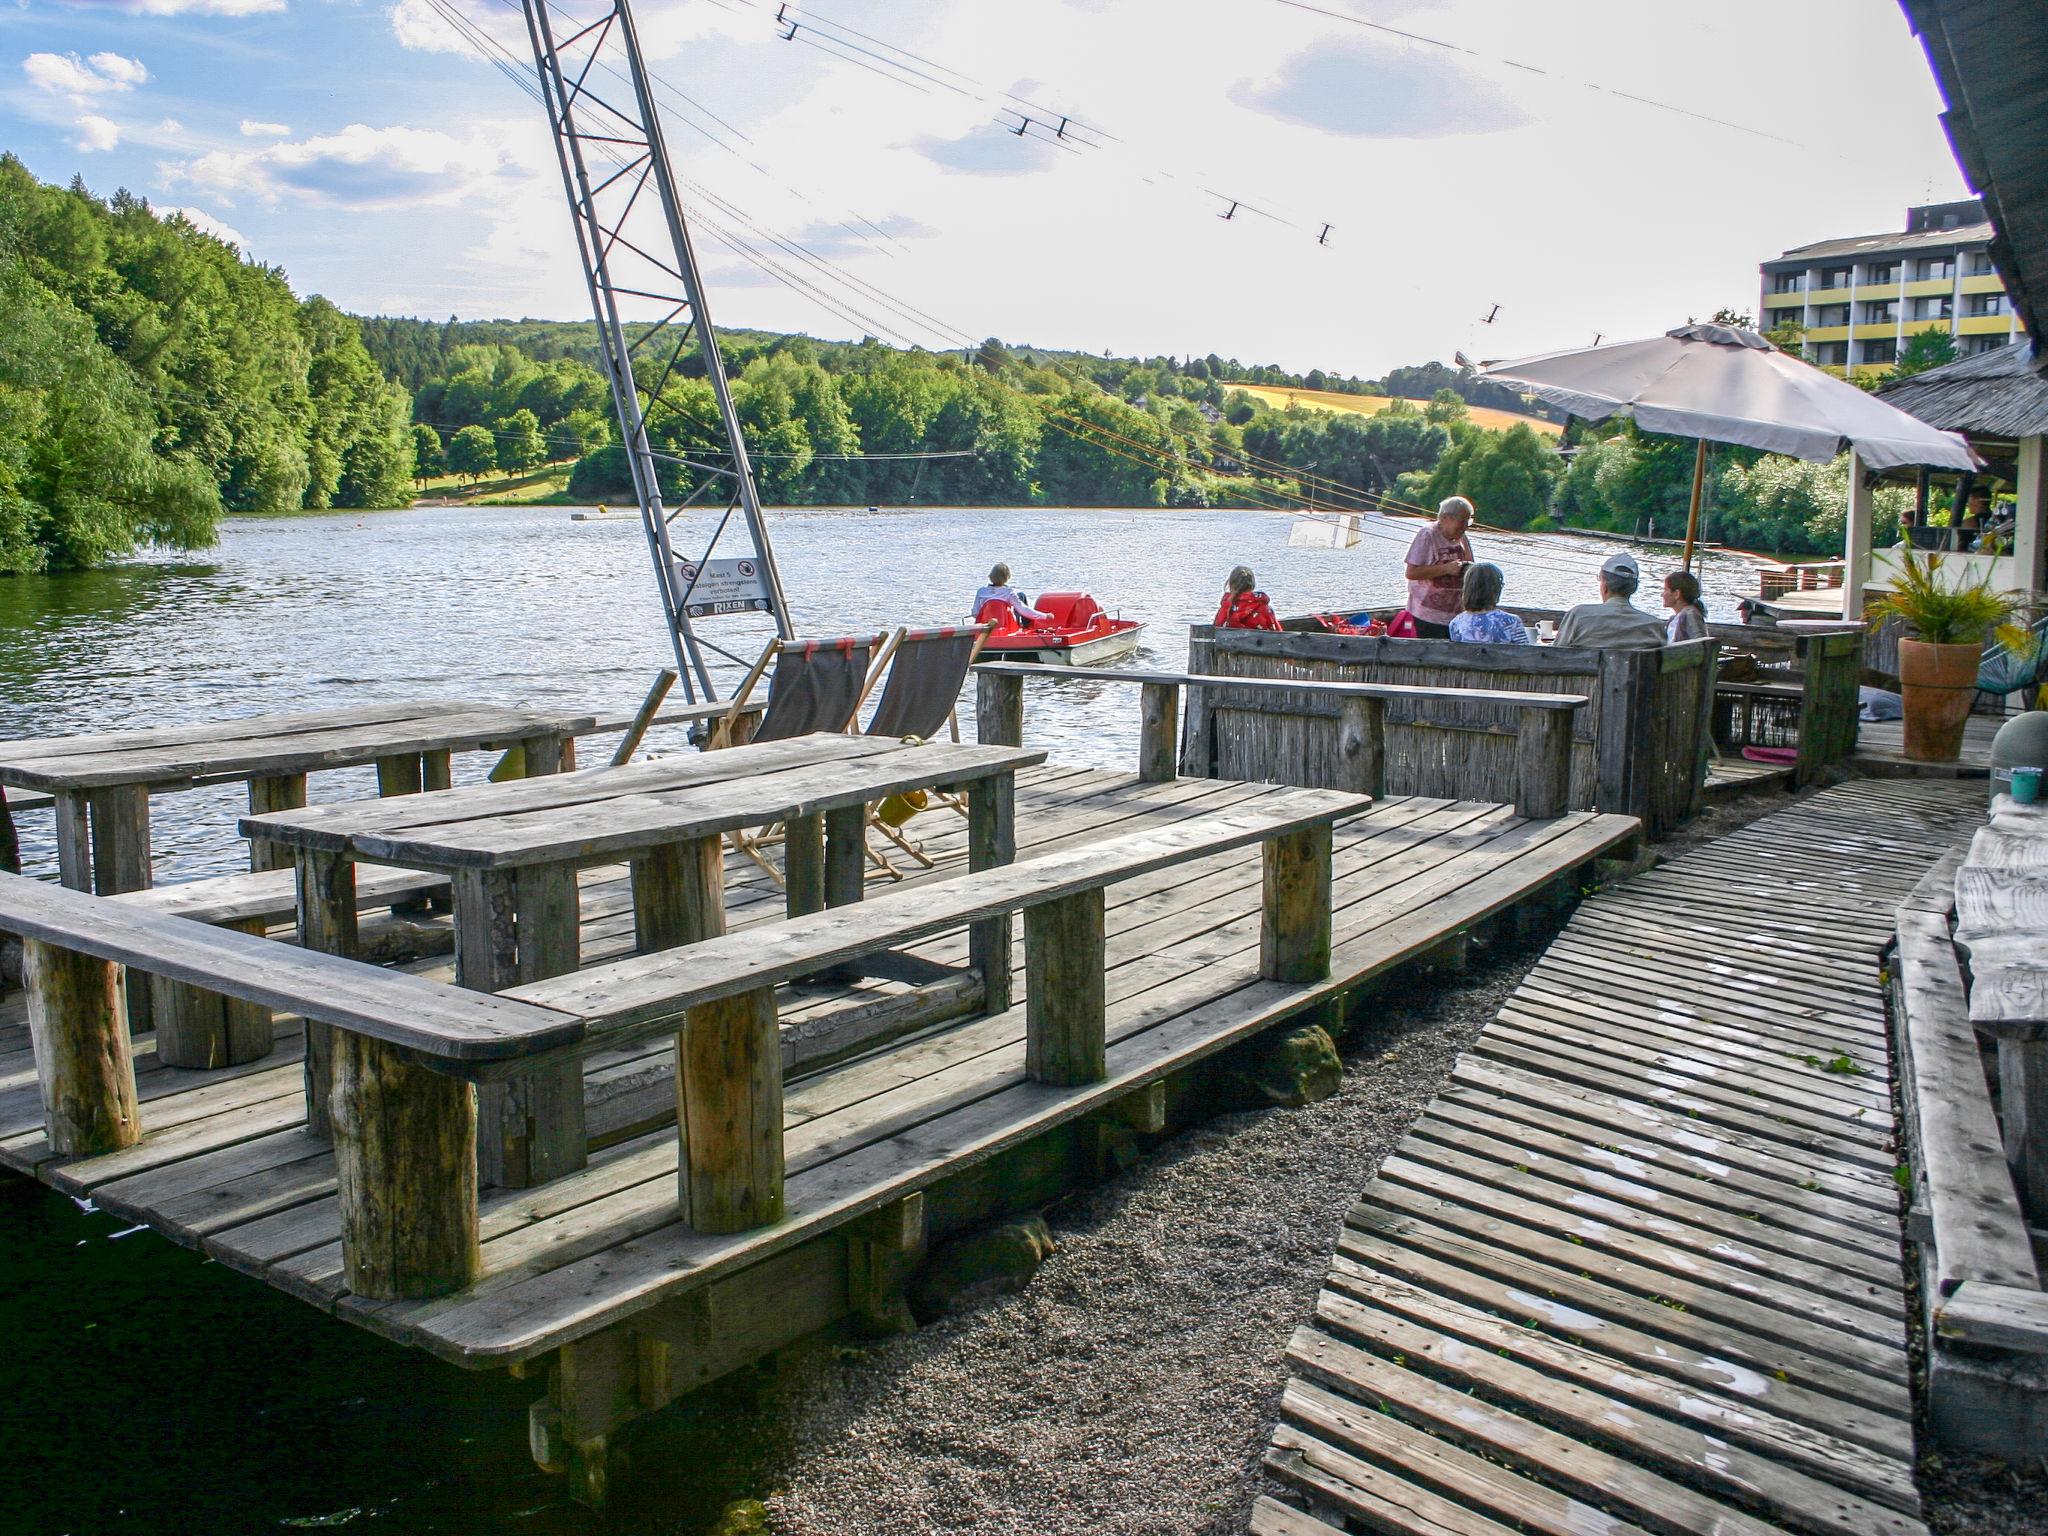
171	1394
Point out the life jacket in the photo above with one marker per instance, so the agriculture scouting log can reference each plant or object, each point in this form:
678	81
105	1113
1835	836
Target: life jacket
1245	610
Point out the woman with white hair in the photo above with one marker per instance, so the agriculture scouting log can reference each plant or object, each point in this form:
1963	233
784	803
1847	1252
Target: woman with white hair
1437	560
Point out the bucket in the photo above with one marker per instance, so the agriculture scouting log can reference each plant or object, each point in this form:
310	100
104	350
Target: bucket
2026	785
898	809
2022	742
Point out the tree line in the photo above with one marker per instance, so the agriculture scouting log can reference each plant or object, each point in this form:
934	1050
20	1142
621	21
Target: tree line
151	380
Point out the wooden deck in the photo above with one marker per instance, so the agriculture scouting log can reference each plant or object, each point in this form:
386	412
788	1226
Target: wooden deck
225	1166
1880	750
1638	1267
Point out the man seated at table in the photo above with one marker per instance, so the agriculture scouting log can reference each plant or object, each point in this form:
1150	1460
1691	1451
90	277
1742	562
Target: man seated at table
1613	623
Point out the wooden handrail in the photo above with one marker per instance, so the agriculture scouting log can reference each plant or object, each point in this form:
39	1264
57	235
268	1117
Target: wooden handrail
1543	723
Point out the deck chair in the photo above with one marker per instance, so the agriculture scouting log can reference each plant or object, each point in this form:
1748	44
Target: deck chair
927	669
815	685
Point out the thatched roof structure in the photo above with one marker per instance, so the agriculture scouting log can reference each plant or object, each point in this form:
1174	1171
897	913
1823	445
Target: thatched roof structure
1994	394
1987	57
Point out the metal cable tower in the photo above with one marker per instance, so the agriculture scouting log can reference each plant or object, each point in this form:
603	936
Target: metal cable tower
645	264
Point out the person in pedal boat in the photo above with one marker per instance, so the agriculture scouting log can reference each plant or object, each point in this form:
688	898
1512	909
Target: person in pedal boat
999	590
1243	605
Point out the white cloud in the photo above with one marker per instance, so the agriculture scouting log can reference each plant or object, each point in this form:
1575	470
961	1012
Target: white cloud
207	224
360	167
666	26
96	133
66	74
251	129
170	127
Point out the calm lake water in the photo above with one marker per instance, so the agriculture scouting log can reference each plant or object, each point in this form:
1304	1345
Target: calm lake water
147	1389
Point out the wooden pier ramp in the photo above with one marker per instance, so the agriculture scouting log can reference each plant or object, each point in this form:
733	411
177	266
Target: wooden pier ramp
1639	1268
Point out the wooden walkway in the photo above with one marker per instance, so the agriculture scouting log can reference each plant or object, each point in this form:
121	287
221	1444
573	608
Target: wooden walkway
225	1166
1638	1268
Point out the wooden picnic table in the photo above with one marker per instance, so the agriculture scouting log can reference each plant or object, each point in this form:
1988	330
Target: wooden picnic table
511	852
102	782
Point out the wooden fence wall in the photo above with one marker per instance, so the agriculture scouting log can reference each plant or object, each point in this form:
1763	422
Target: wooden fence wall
1638	747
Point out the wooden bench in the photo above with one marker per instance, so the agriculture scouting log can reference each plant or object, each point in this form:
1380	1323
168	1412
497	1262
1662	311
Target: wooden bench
200	1028
407	1049
1543	731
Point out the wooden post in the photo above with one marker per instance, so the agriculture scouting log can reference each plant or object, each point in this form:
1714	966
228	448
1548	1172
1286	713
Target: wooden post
998	710
846	831
1294	922
679	894
197	1028
1361	745
121	862
803	865
436	770
547	753
74	841
1692	515
1543	760
664	680
992	841
277	792
2023	1107
1066	1009
883	1248
729	1113
399	775
510	927
327	922
405	1169
1158	732
80	1032
10	844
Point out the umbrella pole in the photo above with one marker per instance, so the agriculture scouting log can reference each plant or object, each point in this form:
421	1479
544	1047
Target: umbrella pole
1692	517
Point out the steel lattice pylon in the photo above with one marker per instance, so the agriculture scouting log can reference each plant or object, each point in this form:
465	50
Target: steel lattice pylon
635	248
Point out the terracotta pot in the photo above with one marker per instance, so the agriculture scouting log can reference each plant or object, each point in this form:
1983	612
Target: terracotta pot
1937	684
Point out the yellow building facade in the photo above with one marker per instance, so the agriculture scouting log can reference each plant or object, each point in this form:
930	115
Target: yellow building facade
1861	299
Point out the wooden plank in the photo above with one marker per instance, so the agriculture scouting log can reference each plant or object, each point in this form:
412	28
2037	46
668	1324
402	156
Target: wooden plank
1065	1039
1996	1317
1351	1487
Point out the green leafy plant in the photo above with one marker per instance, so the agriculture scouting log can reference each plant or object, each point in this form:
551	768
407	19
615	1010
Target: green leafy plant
1940	612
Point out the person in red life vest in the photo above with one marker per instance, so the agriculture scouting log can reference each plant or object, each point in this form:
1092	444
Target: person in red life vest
1243	605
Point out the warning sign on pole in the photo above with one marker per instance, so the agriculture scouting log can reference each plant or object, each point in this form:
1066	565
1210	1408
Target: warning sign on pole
721	586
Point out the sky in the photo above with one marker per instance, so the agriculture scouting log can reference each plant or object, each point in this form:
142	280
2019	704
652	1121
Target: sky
1576	169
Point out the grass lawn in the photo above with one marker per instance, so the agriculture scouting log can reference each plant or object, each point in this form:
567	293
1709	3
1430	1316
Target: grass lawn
544	487
1371	405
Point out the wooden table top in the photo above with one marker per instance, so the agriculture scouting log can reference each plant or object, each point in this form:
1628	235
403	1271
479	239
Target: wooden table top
273	744
612	812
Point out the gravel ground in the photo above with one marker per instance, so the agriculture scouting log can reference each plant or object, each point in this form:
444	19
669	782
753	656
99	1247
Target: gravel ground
1130	1388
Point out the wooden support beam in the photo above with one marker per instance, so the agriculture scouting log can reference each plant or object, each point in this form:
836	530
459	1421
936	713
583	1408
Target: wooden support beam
998	709
1158	732
1361	746
1294	924
327	922
992	841
405	1170
679	894
1065	1015
882	1251
729	1113
121	862
803	865
399	775
74	840
2023	1114
650	706
437	771
279	792
548	753
80	1031
1543	752
197	1028
846	852
10	844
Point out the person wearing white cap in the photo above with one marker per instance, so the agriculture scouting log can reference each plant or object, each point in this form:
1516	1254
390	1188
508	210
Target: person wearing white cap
1613	623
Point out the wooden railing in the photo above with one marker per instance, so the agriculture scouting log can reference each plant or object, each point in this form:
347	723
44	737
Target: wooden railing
1804	694
1353	757
1638	747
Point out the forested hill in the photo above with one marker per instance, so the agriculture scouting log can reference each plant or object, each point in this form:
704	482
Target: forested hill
151	379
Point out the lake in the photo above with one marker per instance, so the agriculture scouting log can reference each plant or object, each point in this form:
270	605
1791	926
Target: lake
147	1388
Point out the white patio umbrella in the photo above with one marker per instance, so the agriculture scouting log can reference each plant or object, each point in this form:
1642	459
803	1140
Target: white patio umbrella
1724	384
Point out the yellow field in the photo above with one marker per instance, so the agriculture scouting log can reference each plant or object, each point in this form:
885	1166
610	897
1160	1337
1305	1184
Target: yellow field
1372	405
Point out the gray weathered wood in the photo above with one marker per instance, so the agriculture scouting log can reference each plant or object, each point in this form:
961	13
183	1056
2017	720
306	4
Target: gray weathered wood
1158	731
397	775
327	923
1996	1316
1544	749
991	843
803	865
80	1030
74	840
201	1029
1362	746
1065	1006
405	1171
269	793
643	718
2023	1113
998	708
1294	919
729	1113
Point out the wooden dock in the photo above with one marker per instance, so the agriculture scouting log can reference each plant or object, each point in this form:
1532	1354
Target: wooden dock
887	1139
1639	1267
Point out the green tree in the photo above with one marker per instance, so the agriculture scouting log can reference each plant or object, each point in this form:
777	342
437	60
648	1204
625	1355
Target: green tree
1445	406
1507	476
473	453
428	457
578	433
520	445
1924	350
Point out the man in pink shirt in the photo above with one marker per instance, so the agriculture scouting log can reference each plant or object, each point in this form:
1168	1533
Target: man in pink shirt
1436	569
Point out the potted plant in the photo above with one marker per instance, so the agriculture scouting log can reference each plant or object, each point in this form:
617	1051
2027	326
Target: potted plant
1938	663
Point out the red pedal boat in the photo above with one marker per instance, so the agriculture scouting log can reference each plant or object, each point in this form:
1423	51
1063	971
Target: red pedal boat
1075	633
